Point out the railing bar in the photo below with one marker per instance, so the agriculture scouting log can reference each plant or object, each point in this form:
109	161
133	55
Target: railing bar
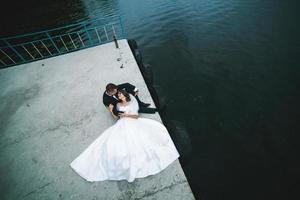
50	30
64	34
14	50
72	41
8	56
80	39
106	33
90	29
102	26
52	41
34	41
98	35
90	39
80	31
28	52
53	37
46	48
37	50
64	43
18	45
26	43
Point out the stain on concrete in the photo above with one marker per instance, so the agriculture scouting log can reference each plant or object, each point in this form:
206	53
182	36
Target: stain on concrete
127	189
34	160
11	102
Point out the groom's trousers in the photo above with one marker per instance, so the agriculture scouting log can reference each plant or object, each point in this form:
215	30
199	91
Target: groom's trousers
144	109
147	110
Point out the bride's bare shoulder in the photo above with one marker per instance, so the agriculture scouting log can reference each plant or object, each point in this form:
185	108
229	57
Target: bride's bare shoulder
122	104
119	104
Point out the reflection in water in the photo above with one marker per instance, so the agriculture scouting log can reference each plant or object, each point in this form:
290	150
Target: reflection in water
229	73
21	17
102	8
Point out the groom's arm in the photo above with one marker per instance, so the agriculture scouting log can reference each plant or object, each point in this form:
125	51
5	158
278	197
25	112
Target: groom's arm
109	106
110	109
129	88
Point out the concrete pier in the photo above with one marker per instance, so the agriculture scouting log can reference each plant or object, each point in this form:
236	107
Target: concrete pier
51	110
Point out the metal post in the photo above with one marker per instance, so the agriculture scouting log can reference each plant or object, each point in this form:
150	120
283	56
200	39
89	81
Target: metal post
116	41
50	38
14	50
8	56
113	28
37	50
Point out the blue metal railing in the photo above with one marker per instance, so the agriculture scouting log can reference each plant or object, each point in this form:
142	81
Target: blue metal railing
44	44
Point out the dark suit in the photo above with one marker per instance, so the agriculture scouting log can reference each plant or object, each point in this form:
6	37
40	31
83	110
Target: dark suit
107	100
131	89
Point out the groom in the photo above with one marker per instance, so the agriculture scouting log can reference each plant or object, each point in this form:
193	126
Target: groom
110	98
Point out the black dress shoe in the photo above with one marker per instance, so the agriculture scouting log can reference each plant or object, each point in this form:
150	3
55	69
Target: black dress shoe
145	104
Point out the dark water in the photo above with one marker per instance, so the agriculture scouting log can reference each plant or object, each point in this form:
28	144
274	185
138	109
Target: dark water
229	70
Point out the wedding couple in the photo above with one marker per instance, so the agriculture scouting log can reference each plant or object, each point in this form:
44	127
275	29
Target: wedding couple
133	147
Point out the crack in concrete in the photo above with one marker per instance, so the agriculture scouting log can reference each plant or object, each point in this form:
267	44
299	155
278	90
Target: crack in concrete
37	189
72	124
51	129
151	193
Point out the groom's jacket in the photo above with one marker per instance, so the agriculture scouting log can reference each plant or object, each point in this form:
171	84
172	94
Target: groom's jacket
107	100
131	89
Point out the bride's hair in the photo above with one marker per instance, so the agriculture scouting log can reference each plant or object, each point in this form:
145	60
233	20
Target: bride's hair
125	94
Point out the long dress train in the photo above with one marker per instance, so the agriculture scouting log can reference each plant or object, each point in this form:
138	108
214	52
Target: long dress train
131	148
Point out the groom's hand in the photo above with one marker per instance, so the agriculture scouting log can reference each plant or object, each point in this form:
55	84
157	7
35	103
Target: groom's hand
120	112
122	115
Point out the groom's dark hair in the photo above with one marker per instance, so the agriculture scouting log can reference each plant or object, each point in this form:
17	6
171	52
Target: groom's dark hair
111	87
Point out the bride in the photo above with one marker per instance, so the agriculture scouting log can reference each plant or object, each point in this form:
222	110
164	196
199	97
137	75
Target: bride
132	148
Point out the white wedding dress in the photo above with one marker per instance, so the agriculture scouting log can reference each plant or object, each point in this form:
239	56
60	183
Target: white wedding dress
132	148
